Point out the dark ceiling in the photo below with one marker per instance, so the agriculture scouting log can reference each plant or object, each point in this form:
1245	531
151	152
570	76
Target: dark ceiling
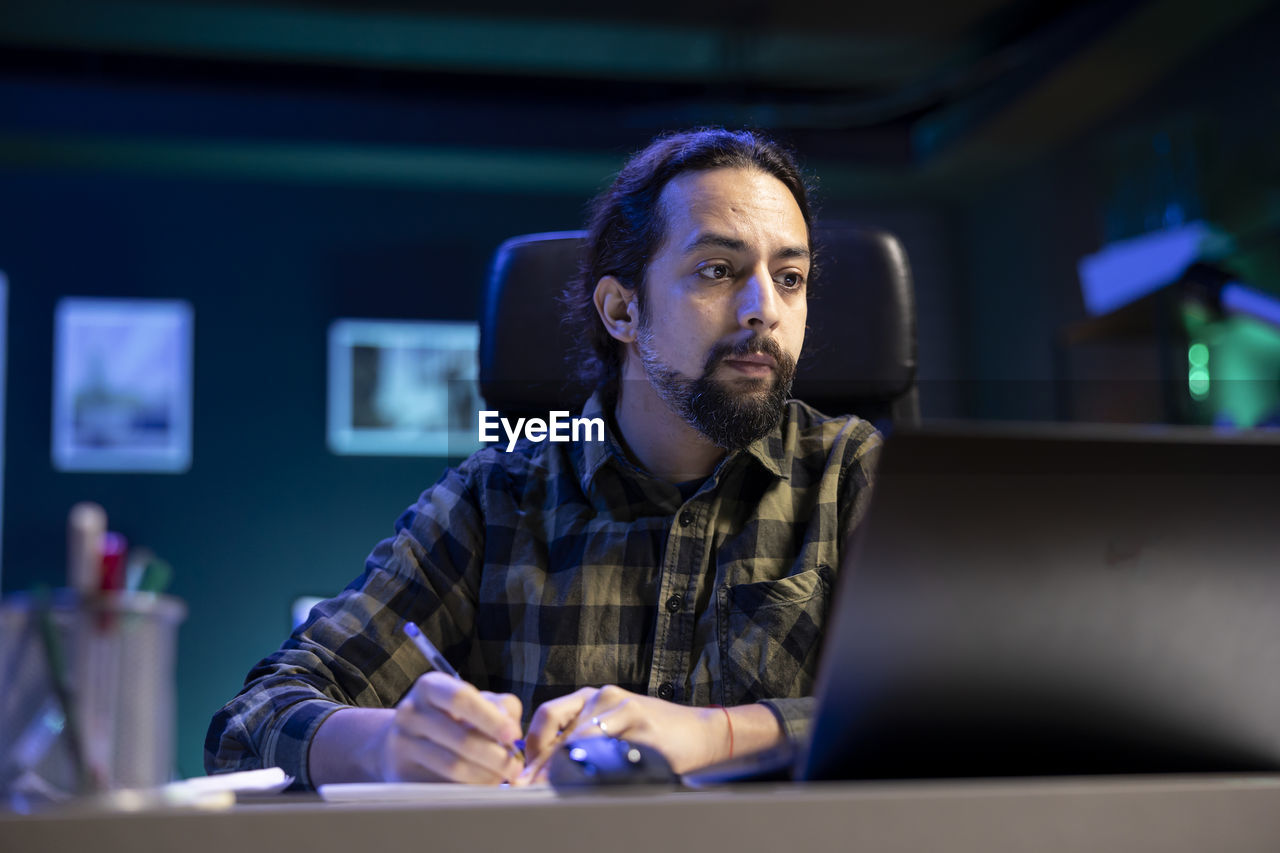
908	88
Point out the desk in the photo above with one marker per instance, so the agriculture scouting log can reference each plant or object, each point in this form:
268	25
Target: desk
1217	813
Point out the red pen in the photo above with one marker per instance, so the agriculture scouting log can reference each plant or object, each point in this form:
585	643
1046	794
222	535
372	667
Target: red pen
111	578
114	547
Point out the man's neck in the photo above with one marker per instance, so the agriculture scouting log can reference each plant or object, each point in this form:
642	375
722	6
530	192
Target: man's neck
661	441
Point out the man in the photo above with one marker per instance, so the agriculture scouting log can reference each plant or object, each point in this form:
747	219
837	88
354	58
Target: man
667	585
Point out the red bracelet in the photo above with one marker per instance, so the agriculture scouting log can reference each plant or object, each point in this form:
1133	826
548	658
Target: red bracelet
728	719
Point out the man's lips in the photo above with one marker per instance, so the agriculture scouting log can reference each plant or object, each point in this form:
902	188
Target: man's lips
752	364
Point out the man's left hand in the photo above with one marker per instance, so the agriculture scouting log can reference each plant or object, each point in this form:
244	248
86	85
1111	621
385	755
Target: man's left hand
688	737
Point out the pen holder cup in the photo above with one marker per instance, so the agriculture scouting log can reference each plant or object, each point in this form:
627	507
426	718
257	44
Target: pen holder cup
88	697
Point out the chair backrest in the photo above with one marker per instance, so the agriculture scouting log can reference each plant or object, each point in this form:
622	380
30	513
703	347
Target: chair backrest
859	352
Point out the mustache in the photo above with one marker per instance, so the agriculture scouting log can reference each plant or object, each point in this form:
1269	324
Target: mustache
755	345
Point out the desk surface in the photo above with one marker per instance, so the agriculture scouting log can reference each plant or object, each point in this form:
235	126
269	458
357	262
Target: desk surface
1167	814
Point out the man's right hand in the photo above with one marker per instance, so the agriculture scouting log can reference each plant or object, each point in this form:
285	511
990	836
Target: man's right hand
443	730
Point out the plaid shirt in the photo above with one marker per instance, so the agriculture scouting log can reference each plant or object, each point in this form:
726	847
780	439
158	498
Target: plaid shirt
561	565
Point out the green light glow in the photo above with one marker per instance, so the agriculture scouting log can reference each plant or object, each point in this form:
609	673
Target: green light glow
1198	382
1245	354
1246	370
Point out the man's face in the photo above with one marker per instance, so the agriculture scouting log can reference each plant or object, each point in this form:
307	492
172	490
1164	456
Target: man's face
725	302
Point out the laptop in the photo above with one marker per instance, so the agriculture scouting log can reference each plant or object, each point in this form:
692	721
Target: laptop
1047	600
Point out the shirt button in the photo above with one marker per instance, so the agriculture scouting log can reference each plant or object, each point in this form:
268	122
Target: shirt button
686	518
666	691
673	603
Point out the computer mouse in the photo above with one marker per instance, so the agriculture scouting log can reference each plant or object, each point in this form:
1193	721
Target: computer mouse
593	762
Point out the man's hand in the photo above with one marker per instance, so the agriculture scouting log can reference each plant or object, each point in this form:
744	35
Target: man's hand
688	737
443	730
446	730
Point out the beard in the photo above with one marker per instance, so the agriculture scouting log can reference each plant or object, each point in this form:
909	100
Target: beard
729	413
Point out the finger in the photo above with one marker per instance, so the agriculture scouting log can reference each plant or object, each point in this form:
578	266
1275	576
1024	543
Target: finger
536	774
536	769
551	719
433	725
466	704
550	723
513	708
608	712
614	722
423	760
509	703
592	719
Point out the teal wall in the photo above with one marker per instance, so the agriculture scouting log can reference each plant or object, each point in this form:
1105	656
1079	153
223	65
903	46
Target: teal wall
266	512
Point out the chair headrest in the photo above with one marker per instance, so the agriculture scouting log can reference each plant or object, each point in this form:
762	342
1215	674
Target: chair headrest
861	340
859	351
524	344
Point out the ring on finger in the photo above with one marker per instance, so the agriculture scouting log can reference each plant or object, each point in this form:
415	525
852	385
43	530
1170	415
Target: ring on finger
598	723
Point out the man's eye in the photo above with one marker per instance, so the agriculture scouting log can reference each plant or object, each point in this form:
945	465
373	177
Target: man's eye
791	280
715	271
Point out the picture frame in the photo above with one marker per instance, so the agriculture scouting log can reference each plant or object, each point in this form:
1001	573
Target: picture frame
122	385
406	388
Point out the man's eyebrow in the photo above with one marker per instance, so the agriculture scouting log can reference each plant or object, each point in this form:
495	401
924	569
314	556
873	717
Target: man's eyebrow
733	244
715	241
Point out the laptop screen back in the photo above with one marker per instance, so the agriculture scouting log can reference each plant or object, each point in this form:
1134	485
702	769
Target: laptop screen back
1044	601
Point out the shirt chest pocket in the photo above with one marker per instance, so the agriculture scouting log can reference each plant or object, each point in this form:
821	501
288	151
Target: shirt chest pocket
770	634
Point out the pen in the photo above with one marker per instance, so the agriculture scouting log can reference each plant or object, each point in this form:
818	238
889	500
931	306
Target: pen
439	664
55	660
429	651
86	525
111	576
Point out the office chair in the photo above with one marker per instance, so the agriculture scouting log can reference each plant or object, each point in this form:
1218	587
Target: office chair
859	351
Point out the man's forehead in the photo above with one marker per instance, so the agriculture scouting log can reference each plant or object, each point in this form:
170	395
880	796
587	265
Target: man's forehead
729	208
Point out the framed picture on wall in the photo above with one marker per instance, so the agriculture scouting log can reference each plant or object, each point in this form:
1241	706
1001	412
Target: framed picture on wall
122	385
404	388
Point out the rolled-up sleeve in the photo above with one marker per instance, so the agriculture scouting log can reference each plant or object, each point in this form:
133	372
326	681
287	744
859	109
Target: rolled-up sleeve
795	715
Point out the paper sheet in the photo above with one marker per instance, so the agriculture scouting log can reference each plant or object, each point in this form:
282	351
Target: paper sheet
431	792
268	781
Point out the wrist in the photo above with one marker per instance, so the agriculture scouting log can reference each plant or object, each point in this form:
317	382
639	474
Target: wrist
348	746
748	728
717	739
728	751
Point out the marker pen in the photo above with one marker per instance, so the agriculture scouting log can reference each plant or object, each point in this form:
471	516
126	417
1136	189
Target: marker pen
86	525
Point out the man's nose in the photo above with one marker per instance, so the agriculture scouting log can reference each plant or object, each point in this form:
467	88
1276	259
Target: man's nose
758	302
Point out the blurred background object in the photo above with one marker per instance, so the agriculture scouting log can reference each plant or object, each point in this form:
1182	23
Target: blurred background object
281	166
89	703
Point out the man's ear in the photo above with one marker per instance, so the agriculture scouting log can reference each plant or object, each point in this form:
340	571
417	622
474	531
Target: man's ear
617	308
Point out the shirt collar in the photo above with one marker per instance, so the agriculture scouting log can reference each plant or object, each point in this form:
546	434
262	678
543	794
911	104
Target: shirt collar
777	448
596	453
